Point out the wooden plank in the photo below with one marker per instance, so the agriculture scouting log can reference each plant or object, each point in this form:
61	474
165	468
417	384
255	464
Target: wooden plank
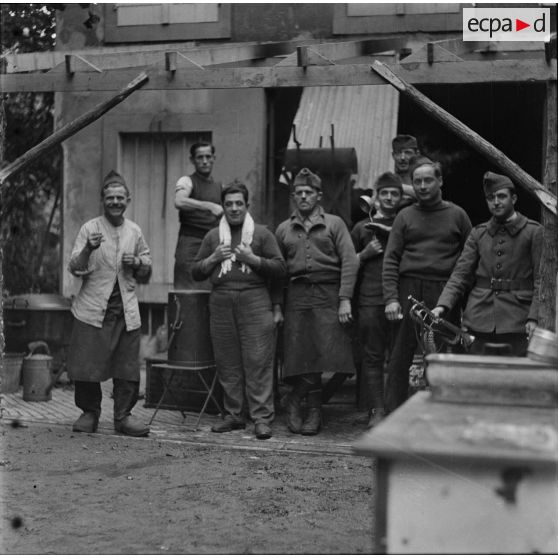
501	71
70	129
477	142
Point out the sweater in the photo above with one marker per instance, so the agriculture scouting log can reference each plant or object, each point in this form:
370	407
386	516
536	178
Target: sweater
324	254
369	283
424	243
264	245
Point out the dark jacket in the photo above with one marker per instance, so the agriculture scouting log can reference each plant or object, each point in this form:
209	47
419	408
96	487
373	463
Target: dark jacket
509	255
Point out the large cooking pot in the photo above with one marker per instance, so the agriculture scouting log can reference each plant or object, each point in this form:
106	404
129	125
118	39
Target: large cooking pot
37	317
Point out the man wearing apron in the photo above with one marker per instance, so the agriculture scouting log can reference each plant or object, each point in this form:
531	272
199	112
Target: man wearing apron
109	255
322	267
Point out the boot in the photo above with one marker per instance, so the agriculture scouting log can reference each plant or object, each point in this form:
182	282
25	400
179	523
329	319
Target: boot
313	422
375	416
87	422
129	426
125	394
294	413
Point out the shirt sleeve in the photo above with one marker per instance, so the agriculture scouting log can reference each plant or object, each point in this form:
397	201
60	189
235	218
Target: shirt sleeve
392	259
143	273
200	270
349	260
182	191
79	245
272	265
536	252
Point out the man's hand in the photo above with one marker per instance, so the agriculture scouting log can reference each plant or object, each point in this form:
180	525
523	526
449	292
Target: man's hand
222	252
372	249
344	312
530	326
393	311
278	317
94	240
130	260
438	311
216	209
245	255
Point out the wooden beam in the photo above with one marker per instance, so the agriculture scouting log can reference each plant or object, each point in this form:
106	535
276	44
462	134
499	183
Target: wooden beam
466	72
74	63
70	129
477	142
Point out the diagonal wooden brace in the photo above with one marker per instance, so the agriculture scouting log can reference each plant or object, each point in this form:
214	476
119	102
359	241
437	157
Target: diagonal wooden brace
477	142
70	129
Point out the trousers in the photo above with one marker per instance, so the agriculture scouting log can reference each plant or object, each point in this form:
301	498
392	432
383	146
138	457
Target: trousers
242	334
88	396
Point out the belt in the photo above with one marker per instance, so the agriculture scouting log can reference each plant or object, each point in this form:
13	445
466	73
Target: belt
500	284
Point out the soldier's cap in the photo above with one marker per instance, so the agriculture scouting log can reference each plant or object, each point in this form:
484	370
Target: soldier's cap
388	180
307	178
493	182
114	179
404	141
418	161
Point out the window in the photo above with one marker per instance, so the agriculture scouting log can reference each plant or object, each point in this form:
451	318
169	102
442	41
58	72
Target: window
396	18
128	23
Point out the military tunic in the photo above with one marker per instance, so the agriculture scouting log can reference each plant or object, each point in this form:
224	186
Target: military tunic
500	264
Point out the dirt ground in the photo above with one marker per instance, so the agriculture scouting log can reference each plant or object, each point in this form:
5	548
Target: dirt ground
65	493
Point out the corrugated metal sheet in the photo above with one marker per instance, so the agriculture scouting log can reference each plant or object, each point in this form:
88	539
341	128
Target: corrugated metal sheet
363	116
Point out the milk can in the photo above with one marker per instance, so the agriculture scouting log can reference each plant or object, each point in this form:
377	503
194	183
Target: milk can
36	372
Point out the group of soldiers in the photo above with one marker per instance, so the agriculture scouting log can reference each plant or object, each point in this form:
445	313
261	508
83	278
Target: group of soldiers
315	277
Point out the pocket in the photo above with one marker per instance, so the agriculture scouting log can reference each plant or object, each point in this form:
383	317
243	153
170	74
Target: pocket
524	297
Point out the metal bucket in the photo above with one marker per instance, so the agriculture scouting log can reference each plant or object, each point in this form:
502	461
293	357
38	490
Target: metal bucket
189	335
543	346
11	372
37	375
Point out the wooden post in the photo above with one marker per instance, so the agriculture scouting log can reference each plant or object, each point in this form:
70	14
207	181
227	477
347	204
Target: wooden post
549	260
70	129
477	142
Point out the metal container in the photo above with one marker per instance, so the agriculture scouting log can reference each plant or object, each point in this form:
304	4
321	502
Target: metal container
33	317
189	336
37	375
543	346
11	372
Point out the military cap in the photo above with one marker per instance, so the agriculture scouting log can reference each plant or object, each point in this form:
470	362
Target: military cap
493	182
114	179
388	180
404	141
307	178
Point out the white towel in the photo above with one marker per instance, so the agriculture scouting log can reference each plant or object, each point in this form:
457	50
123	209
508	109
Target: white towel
246	237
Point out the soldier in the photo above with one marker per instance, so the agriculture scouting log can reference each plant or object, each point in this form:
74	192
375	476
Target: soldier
425	241
322	267
500	261
404	148
370	238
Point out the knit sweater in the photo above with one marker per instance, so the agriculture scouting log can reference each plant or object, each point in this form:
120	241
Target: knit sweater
264	245
324	254
369	283
424	243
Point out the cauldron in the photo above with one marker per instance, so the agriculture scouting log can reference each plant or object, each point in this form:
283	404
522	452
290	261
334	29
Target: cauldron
37	317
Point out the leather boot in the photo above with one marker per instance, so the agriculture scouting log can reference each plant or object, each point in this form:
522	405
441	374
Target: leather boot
294	413
125	395
129	426
313	422
87	422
